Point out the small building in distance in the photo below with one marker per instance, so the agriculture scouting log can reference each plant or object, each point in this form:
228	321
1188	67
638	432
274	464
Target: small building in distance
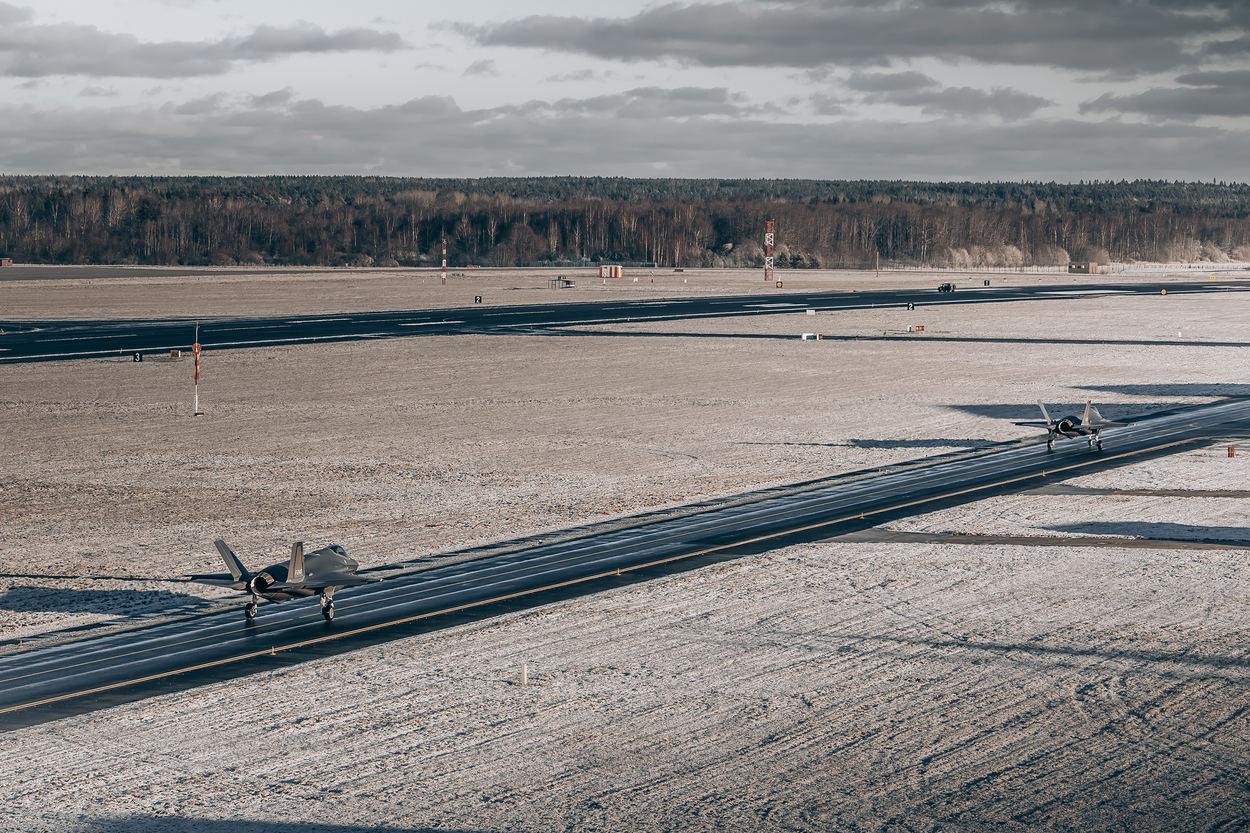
1089	268
6	261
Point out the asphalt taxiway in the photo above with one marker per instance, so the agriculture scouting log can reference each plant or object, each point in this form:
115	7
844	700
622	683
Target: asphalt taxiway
47	683
30	341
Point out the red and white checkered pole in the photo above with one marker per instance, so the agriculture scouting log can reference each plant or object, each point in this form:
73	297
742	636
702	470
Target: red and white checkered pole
768	250
444	260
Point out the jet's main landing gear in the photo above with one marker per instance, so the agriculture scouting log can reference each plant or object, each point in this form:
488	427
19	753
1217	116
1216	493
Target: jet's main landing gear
250	611
327	608
1050	444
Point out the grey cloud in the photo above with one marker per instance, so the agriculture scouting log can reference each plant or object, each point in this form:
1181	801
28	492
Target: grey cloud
579	75
647	103
10	14
1006	103
270	41
485	67
98	92
1216	79
1149	35
1228	48
1181	103
880	82
36	51
826	105
683	102
201	106
274	99
432	136
1209	93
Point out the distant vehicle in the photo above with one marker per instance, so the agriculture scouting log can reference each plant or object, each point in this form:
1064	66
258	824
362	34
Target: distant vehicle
946	287
1091	426
320	574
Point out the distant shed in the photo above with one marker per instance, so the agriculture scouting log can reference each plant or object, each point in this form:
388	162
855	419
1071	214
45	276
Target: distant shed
6	261
1088	268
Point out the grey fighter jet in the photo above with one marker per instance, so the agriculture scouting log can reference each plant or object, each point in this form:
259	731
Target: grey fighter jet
1090	426
319	574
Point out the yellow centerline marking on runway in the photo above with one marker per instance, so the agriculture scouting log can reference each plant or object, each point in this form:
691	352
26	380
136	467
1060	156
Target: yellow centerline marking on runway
519	593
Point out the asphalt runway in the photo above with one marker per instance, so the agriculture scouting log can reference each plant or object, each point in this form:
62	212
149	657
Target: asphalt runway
42	684
26	341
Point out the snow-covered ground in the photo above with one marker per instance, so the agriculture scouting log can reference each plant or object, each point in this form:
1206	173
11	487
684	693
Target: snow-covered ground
857	687
831	686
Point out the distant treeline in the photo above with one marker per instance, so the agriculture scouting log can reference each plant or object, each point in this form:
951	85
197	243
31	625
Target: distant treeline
339	221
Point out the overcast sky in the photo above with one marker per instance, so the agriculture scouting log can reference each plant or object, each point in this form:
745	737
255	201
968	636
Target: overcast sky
832	89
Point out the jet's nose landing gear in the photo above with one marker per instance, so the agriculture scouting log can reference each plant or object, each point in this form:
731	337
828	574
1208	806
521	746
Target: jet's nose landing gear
250	611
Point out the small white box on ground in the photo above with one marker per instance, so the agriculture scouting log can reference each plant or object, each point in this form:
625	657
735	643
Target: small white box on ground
811	312
806	336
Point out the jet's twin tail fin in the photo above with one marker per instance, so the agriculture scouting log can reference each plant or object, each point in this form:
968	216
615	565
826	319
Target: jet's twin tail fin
233	564
1045	415
1089	406
295	570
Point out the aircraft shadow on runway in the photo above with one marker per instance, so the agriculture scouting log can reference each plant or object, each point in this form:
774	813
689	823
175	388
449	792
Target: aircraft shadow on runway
1180	389
1155	530
1058	410
24	599
940	442
935	443
177	824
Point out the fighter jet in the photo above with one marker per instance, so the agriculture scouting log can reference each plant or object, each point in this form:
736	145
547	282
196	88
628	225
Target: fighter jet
1090	426
320	574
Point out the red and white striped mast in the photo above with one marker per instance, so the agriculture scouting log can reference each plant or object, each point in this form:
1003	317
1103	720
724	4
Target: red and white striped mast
444	260
195	351
768	250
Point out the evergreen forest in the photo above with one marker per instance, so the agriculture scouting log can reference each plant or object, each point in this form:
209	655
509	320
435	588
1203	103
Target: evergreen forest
389	221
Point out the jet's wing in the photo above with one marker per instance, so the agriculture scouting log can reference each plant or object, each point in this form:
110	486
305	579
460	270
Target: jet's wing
1033	424
220	581
322	581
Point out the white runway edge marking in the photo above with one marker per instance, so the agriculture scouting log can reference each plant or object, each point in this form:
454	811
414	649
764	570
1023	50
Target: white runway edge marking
431	323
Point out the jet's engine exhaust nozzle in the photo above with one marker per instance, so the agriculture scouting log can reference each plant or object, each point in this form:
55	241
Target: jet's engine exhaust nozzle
260	583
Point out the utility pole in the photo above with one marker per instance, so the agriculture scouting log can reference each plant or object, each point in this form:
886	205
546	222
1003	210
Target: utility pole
444	261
